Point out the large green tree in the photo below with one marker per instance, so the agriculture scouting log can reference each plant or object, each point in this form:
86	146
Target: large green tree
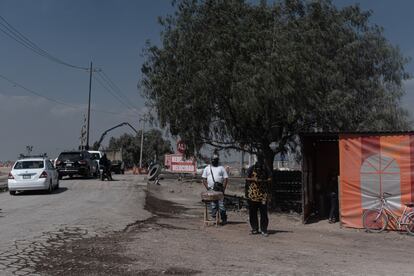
238	75
154	147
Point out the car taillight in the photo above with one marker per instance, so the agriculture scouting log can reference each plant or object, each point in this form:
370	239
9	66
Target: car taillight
11	176
43	175
82	162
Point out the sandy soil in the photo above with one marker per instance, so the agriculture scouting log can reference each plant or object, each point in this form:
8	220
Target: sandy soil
174	242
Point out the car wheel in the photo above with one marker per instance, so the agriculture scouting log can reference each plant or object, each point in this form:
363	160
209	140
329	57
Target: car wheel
60	177
12	192
88	173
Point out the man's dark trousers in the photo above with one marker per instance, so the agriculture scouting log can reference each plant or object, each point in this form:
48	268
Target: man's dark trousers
264	220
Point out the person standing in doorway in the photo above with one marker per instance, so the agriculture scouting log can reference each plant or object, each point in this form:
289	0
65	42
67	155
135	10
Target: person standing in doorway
258	183
215	178
333	187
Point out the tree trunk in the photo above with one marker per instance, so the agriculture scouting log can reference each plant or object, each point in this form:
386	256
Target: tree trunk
269	156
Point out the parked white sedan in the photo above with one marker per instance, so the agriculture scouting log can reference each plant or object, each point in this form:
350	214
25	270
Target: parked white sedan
33	174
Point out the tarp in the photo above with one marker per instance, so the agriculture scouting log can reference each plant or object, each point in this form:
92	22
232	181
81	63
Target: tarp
371	165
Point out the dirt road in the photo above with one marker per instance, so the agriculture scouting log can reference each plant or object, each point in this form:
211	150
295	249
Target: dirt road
174	242
32	222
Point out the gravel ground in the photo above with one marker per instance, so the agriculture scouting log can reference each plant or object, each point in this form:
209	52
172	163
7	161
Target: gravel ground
173	241
34	222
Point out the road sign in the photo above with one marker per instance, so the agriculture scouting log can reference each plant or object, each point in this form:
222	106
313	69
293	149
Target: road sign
181	147
178	164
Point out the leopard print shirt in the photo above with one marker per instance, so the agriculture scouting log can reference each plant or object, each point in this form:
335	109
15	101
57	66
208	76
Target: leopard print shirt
258	191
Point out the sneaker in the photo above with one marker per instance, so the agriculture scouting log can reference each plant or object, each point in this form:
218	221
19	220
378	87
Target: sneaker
254	232
265	234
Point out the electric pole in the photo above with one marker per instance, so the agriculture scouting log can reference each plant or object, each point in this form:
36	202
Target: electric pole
89	108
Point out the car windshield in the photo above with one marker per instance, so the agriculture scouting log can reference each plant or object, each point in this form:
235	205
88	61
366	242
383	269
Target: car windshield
21	165
95	156
74	156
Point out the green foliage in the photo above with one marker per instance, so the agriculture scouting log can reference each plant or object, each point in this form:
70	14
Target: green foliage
233	74
154	147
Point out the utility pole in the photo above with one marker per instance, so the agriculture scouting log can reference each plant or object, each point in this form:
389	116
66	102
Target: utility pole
142	143
89	108
83	134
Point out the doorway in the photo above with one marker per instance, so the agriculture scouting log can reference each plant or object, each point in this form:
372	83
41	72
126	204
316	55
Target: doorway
320	167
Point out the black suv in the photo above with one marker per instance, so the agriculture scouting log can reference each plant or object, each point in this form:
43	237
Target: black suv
76	163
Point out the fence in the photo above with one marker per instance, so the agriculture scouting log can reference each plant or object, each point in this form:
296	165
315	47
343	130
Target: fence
287	191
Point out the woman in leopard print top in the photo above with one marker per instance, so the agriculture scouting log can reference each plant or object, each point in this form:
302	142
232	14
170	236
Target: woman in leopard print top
258	194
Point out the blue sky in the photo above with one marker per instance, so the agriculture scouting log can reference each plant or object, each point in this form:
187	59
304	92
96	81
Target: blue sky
111	34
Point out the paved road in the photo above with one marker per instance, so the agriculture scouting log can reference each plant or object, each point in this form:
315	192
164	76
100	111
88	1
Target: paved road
33	221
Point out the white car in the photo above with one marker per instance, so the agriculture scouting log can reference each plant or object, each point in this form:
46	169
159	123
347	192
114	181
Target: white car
96	155
35	173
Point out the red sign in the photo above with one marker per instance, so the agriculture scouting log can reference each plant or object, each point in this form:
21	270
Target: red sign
177	163
181	147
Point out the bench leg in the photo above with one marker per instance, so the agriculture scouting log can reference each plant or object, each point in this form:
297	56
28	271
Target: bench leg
205	215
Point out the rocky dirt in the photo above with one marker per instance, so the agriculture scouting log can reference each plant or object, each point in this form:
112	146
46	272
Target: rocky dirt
173	241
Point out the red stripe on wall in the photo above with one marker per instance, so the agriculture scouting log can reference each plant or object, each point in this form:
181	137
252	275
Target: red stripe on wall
411	137
369	145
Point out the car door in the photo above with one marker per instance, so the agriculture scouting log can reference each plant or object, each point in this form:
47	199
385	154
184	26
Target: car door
92	162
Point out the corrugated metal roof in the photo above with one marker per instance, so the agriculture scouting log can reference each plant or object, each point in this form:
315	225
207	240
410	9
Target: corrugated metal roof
362	133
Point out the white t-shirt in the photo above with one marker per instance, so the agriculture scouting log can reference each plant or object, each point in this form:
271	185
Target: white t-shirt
219	175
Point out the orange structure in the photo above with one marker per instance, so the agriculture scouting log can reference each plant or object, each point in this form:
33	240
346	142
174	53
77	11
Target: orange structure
371	165
364	164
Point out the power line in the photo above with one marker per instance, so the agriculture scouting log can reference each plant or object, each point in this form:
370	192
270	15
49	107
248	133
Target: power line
34	92
31	91
13	33
116	96
116	88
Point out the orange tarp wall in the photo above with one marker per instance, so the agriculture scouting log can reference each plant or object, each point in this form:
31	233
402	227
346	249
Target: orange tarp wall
371	165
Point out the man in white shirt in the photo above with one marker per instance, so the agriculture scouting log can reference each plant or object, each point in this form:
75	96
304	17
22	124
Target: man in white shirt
215	178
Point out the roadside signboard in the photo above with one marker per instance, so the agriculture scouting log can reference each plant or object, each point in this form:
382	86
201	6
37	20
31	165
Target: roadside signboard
178	164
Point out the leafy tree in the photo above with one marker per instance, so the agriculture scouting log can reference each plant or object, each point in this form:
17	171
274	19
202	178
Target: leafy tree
237	75
154	147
